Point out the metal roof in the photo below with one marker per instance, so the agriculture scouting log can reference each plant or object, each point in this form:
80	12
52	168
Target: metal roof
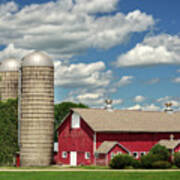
10	64
37	58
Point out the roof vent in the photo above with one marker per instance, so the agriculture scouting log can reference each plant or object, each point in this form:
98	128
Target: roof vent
168	108
108	106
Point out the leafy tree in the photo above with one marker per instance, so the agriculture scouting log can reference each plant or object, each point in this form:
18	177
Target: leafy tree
161	151
8	131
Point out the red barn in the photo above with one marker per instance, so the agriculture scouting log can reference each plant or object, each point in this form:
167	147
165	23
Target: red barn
94	136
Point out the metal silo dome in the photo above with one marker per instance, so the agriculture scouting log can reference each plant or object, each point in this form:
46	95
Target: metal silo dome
37	58
9	75
9	65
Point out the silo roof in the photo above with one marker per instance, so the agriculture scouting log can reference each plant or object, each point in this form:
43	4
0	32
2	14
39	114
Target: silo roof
37	58
10	64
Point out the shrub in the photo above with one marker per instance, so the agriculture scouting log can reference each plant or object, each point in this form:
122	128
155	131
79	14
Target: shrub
177	159
121	161
161	152
161	165
148	160
136	163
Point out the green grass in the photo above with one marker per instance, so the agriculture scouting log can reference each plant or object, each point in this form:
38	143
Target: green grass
90	175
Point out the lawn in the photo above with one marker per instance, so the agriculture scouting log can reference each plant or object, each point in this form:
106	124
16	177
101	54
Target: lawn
90	175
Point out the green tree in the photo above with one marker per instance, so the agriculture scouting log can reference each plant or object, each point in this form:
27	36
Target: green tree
161	151
8	131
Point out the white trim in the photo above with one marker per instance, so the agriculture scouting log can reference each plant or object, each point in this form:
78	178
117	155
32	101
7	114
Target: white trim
94	147
120	146
112	155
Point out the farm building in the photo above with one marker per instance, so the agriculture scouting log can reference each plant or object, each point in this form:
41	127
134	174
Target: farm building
94	136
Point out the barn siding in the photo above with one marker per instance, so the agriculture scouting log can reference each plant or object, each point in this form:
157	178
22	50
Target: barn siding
134	142
79	140
177	149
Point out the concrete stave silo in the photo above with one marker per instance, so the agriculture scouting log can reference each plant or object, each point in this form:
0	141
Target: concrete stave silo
9	75
37	110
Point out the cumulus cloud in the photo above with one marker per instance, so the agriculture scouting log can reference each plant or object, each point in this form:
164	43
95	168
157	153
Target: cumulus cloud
147	107
11	51
154	50
139	99
125	80
176	80
81	75
65	28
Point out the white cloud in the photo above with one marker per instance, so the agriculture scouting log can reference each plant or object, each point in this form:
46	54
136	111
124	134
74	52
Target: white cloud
95	6
174	100
135	107
176	80
139	99
147	107
81	75
153	81
65	28
125	80
154	50
118	101
11	51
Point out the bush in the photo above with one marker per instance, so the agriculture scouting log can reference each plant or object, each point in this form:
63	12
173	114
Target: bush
161	152
148	160
136	163
161	165
177	159
121	161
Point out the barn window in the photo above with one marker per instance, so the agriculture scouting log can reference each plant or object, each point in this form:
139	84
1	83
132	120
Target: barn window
143	153
135	155
75	121
64	154
87	155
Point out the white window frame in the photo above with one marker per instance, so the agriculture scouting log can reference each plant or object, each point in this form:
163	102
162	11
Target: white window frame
64	154
75	121
137	155
87	155
144	153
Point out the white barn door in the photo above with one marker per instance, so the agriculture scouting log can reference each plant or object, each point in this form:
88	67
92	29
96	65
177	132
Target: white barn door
73	158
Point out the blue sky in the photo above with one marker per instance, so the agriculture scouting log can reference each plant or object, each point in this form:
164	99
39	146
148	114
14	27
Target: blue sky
125	50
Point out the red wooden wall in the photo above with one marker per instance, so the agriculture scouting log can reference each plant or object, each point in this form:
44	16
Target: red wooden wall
79	140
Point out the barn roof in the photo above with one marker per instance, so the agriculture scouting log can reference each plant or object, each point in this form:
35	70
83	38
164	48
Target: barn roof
101	120
106	146
169	144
